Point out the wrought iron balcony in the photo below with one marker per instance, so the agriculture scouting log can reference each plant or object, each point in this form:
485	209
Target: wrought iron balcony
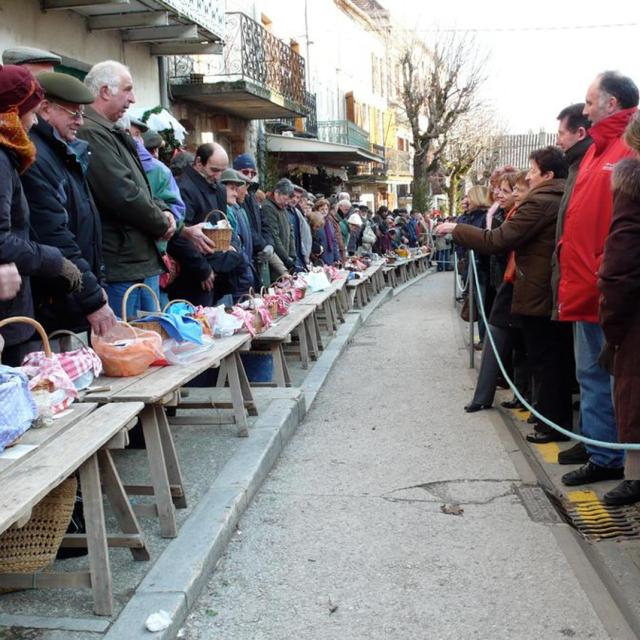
343	132
398	162
253	62
310	125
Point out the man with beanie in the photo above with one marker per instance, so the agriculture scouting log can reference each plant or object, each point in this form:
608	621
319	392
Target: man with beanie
63	213
262	240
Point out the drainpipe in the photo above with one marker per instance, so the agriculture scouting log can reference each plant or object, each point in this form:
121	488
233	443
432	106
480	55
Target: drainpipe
164	82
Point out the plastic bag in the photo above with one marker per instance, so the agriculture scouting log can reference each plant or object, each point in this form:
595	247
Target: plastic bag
225	324
17	408
316	281
186	352
126	350
50	384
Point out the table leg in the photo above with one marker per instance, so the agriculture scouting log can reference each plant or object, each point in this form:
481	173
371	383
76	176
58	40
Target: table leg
96	537
120	504
174	473
222	374
318	334
247	394
278	365
312	331
159	474
301	332
237	399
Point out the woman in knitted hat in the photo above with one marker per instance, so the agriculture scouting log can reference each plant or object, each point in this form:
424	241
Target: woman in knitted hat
20	95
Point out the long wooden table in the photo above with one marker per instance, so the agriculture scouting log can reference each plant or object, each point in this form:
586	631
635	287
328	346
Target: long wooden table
80	440
298	321
157	388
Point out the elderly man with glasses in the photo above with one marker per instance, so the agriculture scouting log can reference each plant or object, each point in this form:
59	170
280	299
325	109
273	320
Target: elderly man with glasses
63	213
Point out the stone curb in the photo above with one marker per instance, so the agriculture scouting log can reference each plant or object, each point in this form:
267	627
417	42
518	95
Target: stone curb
182	570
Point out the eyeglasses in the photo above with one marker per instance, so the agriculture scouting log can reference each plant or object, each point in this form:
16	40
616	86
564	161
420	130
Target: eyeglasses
76	115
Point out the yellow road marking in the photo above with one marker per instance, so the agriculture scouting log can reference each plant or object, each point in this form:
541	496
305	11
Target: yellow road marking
549	452
582	496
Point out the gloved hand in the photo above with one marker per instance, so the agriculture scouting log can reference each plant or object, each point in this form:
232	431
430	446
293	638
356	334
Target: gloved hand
72	275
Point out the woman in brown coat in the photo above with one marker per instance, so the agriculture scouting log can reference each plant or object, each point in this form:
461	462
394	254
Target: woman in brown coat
530	236
619	283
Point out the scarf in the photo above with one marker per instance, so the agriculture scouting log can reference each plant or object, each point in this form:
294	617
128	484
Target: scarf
510	271
15	138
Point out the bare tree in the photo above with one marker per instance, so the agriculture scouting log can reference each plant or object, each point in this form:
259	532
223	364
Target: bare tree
439	85
470	139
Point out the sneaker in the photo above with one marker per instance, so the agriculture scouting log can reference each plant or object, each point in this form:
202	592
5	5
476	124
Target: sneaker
574	455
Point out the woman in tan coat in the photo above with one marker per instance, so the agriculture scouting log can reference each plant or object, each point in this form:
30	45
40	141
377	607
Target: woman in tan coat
619	283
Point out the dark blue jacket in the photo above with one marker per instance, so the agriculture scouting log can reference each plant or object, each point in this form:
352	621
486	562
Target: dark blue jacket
64	215
29	257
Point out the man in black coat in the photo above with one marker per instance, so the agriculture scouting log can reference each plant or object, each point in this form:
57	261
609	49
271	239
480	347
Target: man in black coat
63	213
203	193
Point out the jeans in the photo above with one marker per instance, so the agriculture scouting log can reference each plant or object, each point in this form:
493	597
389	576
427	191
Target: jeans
139	299
597	417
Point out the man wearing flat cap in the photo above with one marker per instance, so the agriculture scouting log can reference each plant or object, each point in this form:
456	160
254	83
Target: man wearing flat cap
63	213
36	60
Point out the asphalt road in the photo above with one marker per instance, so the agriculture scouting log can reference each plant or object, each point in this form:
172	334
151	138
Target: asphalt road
392	514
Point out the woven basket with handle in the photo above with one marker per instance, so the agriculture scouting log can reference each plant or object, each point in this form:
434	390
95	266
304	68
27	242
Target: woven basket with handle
206	325
258	324
152	325
220	237
34	546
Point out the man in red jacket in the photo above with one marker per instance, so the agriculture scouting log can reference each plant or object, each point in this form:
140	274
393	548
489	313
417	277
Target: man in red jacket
611	101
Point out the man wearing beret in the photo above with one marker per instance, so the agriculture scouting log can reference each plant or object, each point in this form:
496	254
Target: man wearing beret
63	213
36	60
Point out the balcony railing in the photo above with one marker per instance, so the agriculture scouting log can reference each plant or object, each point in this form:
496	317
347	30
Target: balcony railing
208	14
250	53
343	132
398	162
278	125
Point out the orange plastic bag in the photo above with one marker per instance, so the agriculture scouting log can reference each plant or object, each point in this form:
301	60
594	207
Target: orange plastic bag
126	350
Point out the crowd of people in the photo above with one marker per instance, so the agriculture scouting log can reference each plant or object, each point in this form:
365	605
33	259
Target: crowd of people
557	258
88	209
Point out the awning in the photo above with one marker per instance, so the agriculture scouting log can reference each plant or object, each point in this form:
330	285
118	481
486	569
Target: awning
309	151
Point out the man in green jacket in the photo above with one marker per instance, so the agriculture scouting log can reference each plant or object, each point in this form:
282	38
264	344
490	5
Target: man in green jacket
132	221
274	210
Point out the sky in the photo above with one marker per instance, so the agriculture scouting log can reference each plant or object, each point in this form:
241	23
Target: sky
541	57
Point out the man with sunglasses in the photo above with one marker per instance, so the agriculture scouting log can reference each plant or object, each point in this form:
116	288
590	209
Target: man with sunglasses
63	213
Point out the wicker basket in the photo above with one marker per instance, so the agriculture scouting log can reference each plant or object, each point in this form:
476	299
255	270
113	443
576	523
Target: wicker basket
220	237
153	325
271	303
33	547
258	324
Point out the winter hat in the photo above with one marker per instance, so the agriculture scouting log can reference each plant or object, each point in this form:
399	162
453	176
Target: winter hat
19	90
355	218
244	161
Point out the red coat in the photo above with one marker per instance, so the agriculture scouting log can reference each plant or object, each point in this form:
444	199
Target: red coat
587	220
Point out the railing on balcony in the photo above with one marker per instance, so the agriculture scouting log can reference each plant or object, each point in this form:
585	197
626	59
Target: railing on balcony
398	162
250	53
343	132
208	14
310	127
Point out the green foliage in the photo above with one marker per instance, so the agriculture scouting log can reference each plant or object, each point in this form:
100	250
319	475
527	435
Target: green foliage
171	144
